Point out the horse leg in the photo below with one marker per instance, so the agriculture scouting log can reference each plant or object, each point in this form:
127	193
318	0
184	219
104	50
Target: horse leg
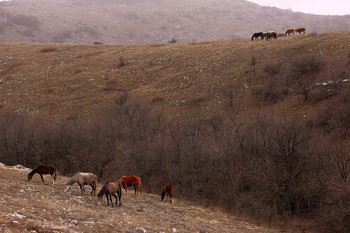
82	189
120	197
42	178
116	199
126	189
92	188
110	198
107	199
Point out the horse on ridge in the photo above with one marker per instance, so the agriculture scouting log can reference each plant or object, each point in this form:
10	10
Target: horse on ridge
289	32
111	189
130	181
168	190
301	30
42	170
83	179
257	35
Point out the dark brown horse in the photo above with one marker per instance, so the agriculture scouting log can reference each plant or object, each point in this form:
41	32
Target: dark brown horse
42	170
301	30
130	181
257	35
168	190
289	32
111	189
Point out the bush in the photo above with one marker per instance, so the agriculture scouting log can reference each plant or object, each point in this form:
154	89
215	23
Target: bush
49	49
309	64
273	68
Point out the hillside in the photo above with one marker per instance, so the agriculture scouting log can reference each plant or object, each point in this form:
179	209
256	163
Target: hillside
35	207
62	80
149	21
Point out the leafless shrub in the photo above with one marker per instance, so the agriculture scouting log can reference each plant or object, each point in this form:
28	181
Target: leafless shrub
273	68
308	64
158	99
269	92
122	62
174	40
48	50
97	43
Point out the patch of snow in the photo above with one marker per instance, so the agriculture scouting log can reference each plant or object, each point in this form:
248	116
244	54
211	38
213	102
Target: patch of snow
17	215
174	229
21	167
141	229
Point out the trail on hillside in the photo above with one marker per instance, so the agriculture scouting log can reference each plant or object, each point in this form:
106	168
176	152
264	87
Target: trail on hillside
40	207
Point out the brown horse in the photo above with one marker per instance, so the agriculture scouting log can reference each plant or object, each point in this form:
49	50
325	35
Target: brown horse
168	190
270	35
111	189
130	181
289	32
301	30
43	169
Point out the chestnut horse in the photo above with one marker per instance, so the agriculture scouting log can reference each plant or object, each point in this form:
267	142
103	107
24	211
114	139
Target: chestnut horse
111	189
289	32
301	30
43	169
83	179
168	190
130	181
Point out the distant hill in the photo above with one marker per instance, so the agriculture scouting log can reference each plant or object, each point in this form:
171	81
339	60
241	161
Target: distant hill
149	21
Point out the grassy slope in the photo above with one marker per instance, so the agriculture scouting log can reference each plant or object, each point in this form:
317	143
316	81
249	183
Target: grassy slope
83	79
45	208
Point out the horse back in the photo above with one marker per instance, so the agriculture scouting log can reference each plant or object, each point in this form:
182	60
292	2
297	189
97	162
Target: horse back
46	169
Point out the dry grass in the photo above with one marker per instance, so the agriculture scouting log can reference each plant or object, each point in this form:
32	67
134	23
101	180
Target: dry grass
45	208
77	79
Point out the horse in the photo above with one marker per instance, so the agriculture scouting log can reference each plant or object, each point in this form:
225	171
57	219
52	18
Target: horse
130	181
271	34
257	35
83	179
167	190
289	32
111	189
301	30
43	169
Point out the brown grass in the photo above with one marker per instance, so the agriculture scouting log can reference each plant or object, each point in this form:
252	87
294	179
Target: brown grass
80	75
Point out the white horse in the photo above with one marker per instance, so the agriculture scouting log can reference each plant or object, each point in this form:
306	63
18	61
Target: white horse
83	179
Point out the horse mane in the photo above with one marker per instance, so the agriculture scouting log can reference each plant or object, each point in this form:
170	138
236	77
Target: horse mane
103	190
73	179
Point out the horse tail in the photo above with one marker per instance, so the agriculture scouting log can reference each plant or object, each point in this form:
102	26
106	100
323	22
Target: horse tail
120	190
140	186
163	195
55	174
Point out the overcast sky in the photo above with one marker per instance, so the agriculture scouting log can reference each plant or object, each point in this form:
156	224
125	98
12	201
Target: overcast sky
324	7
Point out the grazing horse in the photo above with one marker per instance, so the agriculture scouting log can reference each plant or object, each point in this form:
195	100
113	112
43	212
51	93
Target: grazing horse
271	34
257	35
301	30
83	179
168	190
111	189
130	181
289	32
43	169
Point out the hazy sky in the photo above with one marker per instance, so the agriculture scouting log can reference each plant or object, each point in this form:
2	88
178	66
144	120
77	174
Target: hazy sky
324	7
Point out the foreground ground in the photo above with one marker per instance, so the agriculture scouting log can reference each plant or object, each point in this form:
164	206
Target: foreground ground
35	207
